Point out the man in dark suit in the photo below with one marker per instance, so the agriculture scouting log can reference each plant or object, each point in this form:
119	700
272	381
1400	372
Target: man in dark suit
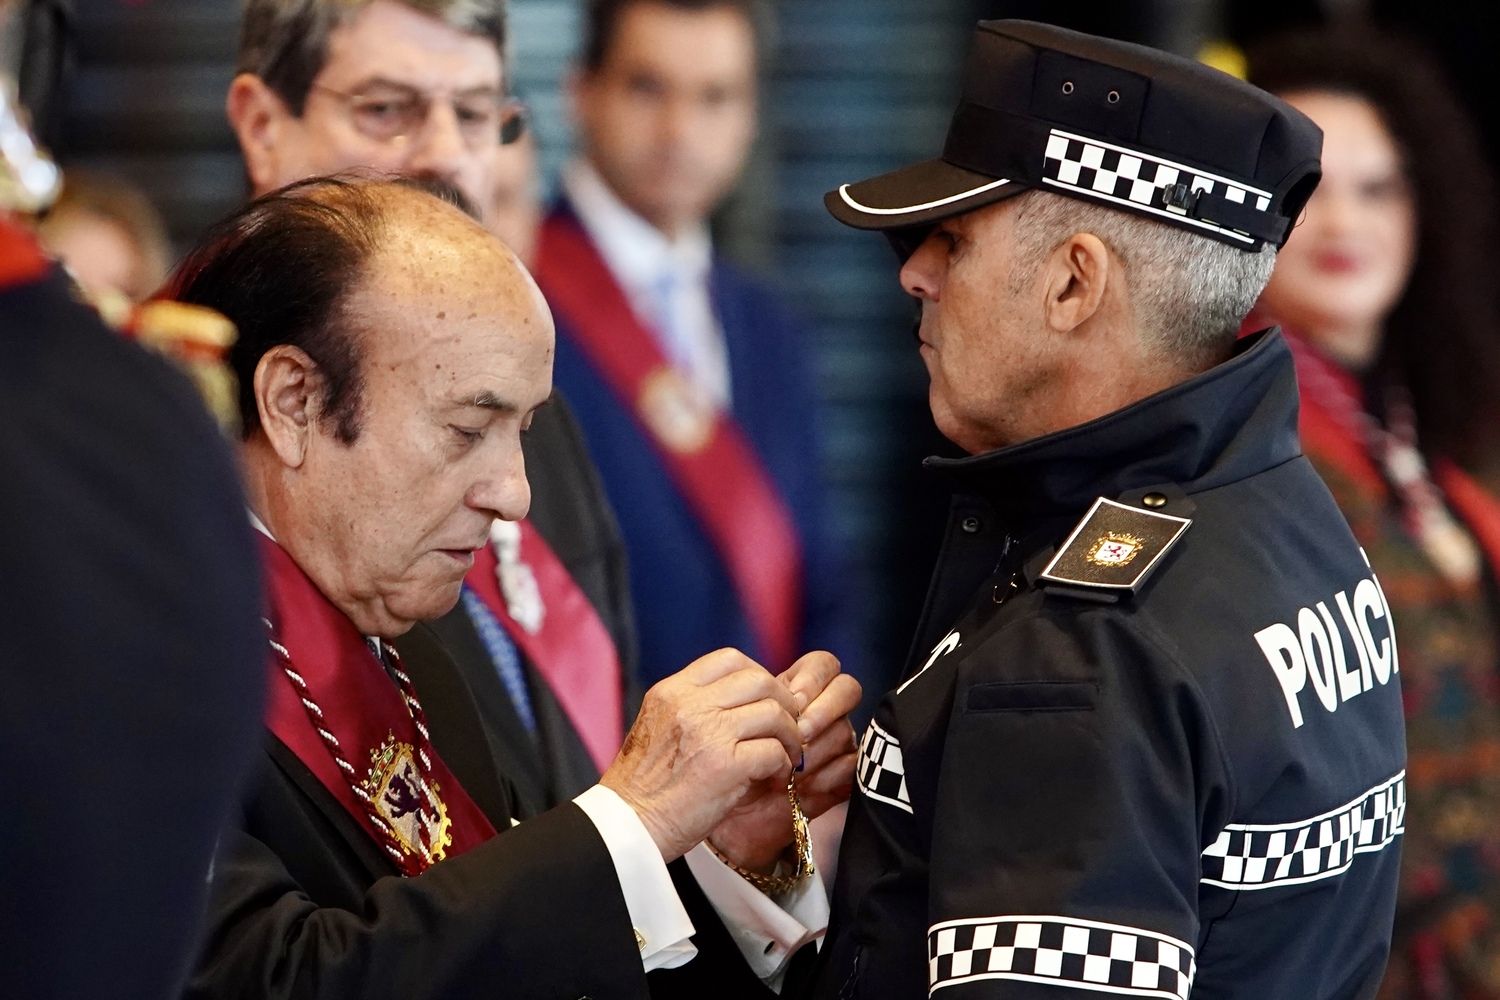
391	355
418	89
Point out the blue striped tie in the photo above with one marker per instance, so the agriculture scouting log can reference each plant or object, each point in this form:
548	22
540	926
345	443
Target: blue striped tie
503	654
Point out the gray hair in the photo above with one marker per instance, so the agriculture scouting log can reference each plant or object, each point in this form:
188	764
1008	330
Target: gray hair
285	42
1190	292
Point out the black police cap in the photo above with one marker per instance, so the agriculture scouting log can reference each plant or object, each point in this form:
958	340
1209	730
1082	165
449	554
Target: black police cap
1110	122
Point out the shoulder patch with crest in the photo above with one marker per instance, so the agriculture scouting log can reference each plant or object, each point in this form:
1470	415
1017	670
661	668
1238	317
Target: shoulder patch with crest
1112	550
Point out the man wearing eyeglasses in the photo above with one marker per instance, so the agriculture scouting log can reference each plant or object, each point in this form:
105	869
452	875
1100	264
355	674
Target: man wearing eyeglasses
418	89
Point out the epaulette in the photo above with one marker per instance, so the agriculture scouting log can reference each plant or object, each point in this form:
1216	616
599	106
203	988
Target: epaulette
197	339
1112	551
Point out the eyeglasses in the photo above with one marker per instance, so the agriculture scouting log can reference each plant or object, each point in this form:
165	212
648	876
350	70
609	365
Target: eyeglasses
387	112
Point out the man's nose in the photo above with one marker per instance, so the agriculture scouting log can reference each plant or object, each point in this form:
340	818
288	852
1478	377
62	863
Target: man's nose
505	490
921	275
439	149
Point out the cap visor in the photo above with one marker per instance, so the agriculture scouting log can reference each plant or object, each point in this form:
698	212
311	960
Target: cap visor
916	195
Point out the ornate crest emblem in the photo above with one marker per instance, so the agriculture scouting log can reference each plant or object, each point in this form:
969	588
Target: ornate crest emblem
407	803
680	415
1115	549
523	597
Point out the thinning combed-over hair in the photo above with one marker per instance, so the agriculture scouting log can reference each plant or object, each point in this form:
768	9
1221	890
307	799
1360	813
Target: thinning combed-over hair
281	269
285	42
1190	292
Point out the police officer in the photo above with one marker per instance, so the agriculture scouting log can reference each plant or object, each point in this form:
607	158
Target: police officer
1151	742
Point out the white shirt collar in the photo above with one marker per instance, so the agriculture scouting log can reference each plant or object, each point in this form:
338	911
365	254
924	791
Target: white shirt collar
259	525
637	252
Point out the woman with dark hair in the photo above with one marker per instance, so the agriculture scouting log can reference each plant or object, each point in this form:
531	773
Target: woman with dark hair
1389	300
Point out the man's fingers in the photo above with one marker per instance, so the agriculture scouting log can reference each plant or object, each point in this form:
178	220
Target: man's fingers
811	674
711	666
831	784
746	685
838	699
767	718
833	742
761	759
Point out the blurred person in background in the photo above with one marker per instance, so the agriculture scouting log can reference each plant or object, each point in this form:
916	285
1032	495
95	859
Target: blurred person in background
514	213
544	633
1387	294
693	382
108	234
130	682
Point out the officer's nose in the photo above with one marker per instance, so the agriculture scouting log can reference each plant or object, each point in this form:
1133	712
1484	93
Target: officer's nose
922	274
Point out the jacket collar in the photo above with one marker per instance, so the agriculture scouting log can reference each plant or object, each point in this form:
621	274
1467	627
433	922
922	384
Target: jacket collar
1234	420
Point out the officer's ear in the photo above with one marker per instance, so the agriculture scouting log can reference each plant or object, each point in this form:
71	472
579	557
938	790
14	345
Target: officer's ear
1078	274
288	386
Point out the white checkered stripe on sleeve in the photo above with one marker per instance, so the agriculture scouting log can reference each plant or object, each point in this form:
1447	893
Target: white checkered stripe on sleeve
1135	179
1262	856
881	771
1060	951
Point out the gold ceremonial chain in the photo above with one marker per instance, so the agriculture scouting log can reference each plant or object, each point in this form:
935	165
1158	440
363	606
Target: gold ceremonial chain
773	884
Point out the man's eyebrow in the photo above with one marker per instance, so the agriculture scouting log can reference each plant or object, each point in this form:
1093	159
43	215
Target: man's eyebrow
372	82
487	400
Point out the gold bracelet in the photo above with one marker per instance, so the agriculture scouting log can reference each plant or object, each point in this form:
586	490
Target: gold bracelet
777	885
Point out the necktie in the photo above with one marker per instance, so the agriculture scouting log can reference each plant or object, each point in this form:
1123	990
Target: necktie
503	654
671	331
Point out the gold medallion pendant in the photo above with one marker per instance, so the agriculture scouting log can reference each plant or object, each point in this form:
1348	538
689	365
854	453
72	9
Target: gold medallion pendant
409	804
679	414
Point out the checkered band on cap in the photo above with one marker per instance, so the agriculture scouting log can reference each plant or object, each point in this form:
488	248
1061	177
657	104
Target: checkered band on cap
881	772
1060	951
1248	856
1142	182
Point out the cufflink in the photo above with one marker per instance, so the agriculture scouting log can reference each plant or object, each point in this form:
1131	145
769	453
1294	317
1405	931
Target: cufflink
640	940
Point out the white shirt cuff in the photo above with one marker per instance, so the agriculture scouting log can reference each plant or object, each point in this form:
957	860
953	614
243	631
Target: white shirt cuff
663	930
768	933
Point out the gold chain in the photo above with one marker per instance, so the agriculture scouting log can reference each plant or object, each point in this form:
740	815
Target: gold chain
773	884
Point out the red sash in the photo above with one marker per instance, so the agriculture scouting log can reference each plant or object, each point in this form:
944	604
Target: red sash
572	649
21	258
707	456
368	745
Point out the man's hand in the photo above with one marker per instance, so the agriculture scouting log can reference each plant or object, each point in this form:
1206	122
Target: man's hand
704	736
759	830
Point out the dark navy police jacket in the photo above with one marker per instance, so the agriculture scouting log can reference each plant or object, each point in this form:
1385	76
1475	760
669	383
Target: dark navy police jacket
1195	789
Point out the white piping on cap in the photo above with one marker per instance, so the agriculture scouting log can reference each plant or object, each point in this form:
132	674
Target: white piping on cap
844	194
